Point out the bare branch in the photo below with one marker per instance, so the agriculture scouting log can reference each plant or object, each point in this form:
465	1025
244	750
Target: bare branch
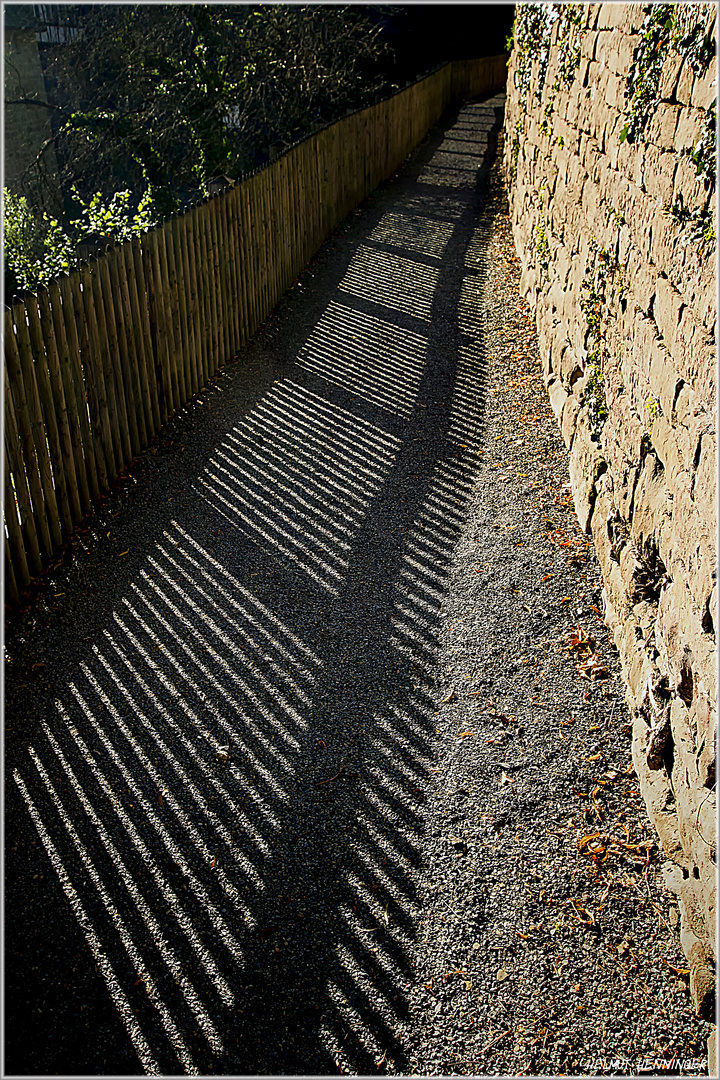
35	101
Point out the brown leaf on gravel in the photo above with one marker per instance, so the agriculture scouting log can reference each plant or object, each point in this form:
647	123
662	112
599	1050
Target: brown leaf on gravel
580	640
592	668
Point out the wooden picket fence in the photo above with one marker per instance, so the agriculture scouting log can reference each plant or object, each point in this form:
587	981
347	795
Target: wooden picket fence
98	361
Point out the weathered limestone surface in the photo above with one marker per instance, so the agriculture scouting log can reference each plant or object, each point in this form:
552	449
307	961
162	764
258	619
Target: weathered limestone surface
645	484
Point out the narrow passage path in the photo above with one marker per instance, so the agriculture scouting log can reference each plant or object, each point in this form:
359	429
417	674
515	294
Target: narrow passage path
298	753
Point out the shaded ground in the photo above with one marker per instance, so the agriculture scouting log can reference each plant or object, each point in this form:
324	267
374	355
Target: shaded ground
298	752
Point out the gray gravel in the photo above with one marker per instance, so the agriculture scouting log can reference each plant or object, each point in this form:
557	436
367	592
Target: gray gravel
308	731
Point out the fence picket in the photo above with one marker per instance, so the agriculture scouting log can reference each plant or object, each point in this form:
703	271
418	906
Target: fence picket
71	388
126	350
116	383
64	470
30	397
224	269
15	557
95	375
21	469
195	309
266	245
147	371
106	368
126	320
78	330
175	340
168	303
214	268
50	411
226	206
181	288
156	307
250	254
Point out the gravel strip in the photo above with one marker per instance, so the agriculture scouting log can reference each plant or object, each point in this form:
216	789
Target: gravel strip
316	754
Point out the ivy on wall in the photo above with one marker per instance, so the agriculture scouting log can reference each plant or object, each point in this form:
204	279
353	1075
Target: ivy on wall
602	285
531	42
684	28
687	30
545	29
572	25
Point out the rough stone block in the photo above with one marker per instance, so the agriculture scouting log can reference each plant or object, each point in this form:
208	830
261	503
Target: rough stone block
704	89
704	487
641	280
703	721
684	85
712	1053
657	794
689	128
628	17
686	184
669	77
658	182
668	303
586	465
607	17
615	92
568	420
668	635
625	50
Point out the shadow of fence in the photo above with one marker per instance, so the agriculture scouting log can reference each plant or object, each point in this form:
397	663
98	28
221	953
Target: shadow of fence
230	787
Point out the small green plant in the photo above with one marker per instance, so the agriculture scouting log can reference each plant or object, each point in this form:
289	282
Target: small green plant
703	155
615	217
542	246
698	225
115	217
653	409
36	247
531	43
570	32
515	149
594	397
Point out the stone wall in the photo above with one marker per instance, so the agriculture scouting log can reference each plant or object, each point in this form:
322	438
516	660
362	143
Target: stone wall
625	299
